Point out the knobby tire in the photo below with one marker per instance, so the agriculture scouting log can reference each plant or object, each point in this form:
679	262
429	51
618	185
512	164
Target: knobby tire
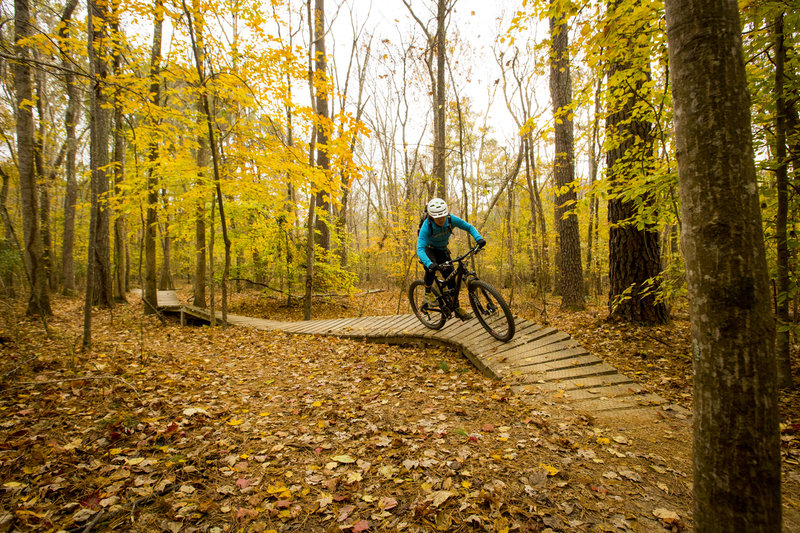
433	317
491	310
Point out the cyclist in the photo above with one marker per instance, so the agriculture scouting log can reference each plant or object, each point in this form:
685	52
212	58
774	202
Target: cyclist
434	235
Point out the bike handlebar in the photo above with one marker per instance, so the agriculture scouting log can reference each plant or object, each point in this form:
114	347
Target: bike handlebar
474	250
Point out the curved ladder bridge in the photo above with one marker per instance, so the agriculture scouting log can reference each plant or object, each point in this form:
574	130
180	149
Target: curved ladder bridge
538	357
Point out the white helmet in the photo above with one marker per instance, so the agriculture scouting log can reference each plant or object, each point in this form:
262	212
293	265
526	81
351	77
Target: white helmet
437	208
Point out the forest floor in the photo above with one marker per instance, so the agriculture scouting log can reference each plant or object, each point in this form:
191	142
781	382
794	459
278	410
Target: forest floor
162	427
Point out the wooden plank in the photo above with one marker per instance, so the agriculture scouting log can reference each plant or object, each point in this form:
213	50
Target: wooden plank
392	325
570	362
381	327
578	372
528	360
526	345
557	336
358	327
610	391
583	382
339	325
619	402
525	339
405	322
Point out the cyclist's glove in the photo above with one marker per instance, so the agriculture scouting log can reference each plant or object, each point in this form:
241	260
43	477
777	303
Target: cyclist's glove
481	242
433	267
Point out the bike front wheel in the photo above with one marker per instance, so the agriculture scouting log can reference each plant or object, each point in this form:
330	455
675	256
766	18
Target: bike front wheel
430	316
491	310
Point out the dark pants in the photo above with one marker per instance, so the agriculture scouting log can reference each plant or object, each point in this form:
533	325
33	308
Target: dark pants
439	256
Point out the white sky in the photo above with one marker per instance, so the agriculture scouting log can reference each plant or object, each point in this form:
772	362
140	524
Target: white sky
477	22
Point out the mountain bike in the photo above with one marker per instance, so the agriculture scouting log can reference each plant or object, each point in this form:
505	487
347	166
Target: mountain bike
489	307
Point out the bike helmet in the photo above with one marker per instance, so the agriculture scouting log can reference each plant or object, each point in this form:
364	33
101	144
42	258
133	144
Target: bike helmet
437	208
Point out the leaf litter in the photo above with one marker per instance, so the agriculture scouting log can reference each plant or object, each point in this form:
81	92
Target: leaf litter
243	430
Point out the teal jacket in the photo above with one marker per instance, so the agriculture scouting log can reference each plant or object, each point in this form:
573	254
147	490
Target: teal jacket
431	235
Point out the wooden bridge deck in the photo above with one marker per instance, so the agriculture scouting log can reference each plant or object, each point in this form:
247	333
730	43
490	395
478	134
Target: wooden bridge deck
538	357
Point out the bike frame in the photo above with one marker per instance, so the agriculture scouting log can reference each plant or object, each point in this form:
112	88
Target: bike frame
460	272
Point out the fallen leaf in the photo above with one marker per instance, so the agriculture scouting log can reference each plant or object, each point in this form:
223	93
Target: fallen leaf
385	503
670	517
360	526
551	470
346	459
439	497
344	512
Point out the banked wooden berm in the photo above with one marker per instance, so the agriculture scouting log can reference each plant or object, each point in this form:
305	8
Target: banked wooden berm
538	357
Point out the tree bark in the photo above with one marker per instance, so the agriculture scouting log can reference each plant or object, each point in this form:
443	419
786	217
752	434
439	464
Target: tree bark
39	299
570	271
782	215
100	224
199	280
737	463
70	122
196	28
634	254
120	264
321	97
151	219
440	103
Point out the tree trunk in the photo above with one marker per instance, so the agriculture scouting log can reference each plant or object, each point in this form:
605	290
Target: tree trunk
70	121
121	267
634	255
782	216
199	281
323	129
196	28
151	219
99	232
39	300
44	178
440	103
570	271
737	462
165	281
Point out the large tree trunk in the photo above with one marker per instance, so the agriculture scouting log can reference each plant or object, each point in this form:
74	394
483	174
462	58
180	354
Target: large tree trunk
150	289
323	130
570	271
99	232
737	468
440	103
120	277
199	281
98	268
634	255
39	300
70	121
196	28
44	178
782	216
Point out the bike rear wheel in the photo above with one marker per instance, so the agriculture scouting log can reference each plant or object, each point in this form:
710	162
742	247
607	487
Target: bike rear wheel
431	317
491	310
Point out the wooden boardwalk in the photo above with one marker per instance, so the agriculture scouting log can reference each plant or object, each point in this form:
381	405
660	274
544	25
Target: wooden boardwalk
538	357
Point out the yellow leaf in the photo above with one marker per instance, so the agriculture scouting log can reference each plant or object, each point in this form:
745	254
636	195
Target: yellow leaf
551	470
13	485
466	484
343	459
603	440
115	451
235	422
